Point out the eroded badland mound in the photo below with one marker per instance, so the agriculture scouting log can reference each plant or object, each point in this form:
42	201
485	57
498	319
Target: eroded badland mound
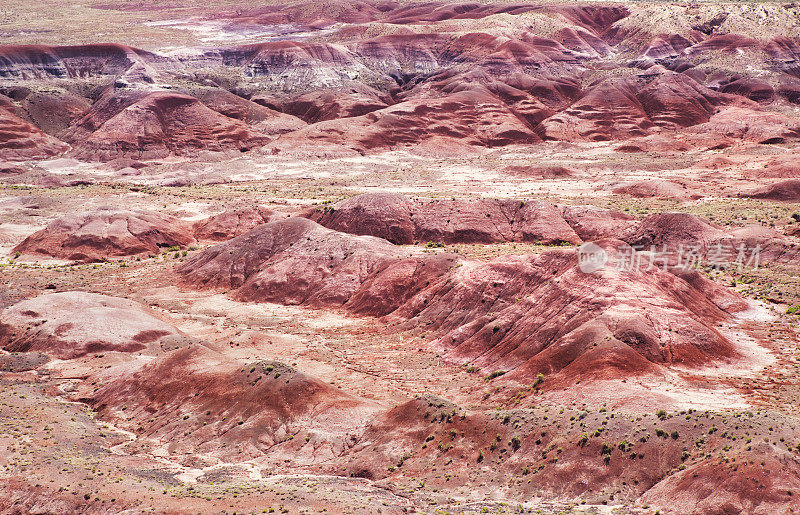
107	233
232	409
72	324
534	314
403	221
161	124
232	223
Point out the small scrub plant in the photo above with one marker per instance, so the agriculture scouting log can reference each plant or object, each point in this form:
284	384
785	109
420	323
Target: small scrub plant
495	374
539	380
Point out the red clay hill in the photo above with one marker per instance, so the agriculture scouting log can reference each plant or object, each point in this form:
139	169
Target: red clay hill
296	261
233	222
106	233
402	220
531	314
71	324
165	123
197	400
785	191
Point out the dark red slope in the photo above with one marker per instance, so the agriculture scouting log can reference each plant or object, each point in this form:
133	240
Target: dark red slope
20	140
164	123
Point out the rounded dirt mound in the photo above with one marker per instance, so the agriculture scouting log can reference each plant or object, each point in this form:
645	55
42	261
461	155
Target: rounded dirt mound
404	221
232	223
296	261
385	215
785	191
106	233
200	401
673	230
595	223
654	188
165	123
48	324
